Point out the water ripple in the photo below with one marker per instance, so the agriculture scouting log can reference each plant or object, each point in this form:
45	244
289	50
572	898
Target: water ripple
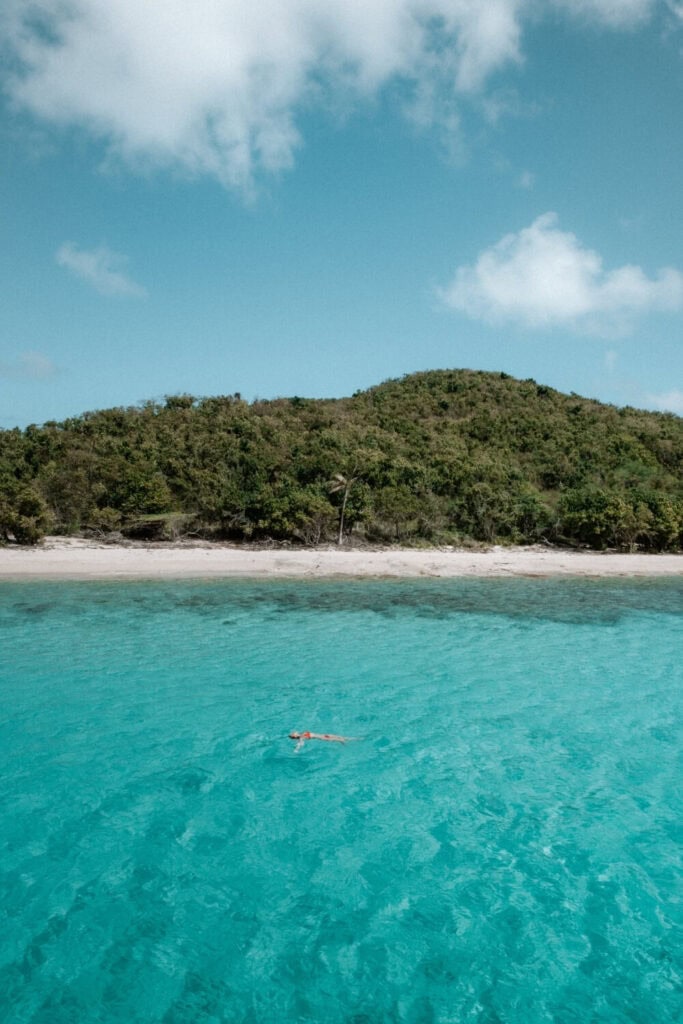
503	844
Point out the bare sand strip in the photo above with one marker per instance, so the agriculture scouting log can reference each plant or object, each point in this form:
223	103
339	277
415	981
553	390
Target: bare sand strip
69	558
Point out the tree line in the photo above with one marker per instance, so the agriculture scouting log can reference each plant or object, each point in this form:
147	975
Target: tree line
441	457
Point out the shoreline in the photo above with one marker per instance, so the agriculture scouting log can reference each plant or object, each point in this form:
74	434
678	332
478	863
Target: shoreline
70	558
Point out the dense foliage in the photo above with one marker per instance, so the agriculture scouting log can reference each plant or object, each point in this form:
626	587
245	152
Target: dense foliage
437	457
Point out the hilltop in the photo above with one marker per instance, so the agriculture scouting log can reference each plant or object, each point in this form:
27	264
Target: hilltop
432	458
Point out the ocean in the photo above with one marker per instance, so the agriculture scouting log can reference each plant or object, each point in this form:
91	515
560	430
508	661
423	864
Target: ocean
501	844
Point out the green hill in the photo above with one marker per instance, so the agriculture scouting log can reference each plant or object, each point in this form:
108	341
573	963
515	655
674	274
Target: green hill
435	457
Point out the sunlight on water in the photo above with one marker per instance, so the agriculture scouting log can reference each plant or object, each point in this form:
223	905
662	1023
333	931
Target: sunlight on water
503	843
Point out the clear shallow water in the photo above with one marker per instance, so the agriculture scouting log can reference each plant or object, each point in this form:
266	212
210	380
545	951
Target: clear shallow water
503	844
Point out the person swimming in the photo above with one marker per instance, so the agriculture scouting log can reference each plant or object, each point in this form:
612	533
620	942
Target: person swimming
329	737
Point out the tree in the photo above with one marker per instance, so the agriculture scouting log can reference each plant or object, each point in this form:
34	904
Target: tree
400	507
24	516
341	483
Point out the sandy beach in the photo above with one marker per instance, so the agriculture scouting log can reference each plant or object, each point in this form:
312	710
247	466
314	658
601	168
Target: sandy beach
71	558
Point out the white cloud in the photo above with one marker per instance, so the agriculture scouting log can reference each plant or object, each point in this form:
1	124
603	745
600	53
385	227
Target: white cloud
526	180
214	86
669	401
544	277
29	366
101	268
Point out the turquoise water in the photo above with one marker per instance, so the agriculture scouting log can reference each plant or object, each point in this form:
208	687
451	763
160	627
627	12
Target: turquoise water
502	846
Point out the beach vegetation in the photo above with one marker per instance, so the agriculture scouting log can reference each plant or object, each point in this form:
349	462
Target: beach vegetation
24	515
440	457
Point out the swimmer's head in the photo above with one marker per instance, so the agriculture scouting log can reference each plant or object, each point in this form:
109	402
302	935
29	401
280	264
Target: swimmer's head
295	735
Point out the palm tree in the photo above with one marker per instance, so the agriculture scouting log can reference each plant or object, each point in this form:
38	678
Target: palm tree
342	483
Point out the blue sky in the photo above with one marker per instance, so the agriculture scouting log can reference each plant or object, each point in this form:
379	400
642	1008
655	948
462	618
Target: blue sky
283	197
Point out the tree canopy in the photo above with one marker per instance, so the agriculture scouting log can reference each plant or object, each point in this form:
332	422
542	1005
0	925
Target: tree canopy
432	458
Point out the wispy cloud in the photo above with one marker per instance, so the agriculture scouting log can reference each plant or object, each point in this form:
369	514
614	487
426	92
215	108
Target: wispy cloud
29	366
613	13
214	88
610	360
544	277
668	401
101	268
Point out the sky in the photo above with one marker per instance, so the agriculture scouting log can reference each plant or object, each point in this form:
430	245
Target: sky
308	197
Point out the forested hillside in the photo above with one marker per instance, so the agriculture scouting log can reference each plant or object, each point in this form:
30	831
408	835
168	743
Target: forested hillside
436	457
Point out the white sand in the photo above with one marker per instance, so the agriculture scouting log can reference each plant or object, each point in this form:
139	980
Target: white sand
69	558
